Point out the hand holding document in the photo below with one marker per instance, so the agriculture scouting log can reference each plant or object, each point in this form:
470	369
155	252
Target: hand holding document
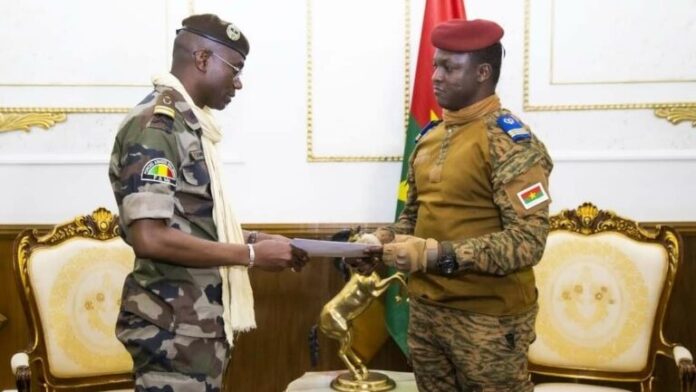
317	248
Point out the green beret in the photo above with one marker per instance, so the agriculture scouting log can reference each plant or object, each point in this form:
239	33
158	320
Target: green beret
215	29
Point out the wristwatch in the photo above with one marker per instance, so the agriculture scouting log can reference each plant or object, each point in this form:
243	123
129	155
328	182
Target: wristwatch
447	263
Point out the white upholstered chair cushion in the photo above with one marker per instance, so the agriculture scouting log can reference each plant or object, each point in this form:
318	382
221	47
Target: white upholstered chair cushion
563	387
598	296
77	285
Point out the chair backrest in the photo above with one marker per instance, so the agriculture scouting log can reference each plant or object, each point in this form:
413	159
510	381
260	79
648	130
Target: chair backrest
70	283
604	283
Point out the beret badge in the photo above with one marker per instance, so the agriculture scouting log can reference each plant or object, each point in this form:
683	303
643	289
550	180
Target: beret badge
233	32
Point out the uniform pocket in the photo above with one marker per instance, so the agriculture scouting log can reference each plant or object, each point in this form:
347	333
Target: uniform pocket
196	177
518	330
194	197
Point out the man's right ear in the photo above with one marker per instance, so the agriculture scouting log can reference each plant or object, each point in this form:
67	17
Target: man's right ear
484	72
200	58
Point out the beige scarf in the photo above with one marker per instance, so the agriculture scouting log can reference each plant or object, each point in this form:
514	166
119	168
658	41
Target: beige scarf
237	296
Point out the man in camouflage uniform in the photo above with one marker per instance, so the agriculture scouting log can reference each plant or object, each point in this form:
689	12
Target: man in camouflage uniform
171	311
474	224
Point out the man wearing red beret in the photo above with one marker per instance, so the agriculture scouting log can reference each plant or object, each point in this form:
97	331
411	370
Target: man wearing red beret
474	224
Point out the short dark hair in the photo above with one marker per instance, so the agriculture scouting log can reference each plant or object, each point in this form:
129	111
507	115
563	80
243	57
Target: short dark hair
492	55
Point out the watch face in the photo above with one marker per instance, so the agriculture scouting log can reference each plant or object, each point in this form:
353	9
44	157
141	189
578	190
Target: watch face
448	265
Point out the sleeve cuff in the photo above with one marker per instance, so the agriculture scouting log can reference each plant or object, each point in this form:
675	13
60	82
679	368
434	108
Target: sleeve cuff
147	205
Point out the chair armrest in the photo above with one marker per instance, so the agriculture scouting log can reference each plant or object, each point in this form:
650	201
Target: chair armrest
687	370
22	371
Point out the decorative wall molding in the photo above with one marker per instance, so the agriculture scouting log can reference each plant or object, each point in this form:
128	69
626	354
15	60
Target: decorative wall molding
25	121
677	115
72	160
602	156
311	156
674	112
33	92
312	230
588	157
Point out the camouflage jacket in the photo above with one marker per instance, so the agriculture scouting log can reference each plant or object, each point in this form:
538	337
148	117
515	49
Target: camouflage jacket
158	171
481	189
521	241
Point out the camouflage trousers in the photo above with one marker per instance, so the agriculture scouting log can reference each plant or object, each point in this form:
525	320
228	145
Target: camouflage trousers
165	362
454	350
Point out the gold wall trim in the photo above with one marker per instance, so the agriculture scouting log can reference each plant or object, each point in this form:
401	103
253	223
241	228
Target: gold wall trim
675	115
85	84
78	84
40	110
552	78
303	230
24	118
311	230
311	157
25	121
527	106
74	109
617	106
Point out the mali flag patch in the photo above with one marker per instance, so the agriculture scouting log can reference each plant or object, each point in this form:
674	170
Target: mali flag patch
533	195
159	170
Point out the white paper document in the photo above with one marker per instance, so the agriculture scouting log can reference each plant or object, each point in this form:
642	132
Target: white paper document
317	248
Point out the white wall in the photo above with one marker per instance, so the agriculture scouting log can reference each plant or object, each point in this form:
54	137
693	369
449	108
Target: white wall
625	160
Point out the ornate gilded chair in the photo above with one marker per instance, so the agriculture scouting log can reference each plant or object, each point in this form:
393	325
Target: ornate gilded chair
604	285
70	283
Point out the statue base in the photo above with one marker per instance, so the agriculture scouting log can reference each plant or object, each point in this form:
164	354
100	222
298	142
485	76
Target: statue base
373	382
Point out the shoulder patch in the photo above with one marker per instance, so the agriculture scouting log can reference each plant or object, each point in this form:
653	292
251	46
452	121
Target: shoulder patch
426	129
533	195
513	127
159	170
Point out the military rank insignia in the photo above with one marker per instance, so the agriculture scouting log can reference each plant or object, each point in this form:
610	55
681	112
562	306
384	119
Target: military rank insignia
159	170
533	196
513	128
165	106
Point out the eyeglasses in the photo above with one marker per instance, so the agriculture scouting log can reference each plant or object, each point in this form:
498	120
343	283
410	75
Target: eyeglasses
237	70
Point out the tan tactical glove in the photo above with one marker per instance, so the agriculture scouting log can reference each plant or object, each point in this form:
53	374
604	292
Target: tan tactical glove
378	237
403	237
367	264
412	254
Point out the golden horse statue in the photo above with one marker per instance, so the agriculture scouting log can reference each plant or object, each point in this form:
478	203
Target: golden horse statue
337	316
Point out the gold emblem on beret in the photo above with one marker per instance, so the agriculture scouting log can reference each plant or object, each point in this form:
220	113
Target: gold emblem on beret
233	32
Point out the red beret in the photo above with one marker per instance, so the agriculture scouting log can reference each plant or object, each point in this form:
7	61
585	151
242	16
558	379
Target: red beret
459	35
